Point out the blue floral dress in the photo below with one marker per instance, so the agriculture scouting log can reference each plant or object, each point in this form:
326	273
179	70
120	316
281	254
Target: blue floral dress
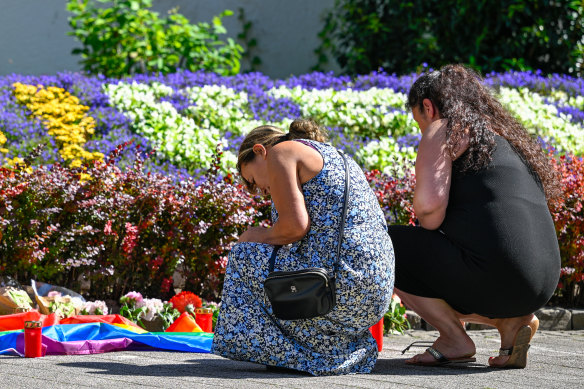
339	342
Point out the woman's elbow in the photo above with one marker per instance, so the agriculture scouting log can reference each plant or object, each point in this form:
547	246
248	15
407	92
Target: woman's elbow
430	218
296	231
430	222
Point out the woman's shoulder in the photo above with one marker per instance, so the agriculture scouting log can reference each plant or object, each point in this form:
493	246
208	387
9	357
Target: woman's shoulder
296	150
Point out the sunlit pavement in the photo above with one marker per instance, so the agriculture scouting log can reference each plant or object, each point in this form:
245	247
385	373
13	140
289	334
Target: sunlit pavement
556	360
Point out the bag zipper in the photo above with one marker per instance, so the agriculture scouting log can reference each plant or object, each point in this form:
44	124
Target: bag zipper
316	271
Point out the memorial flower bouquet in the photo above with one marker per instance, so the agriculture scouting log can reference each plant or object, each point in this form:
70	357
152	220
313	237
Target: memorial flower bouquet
186	301
151	314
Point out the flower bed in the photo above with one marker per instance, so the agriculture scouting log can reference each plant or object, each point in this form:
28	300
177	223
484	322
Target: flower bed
127	219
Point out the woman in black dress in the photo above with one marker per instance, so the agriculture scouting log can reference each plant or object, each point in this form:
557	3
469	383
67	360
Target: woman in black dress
486	249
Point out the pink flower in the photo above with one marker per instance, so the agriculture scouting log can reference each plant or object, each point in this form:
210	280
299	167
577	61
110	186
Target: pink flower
108	228
136	296
131	238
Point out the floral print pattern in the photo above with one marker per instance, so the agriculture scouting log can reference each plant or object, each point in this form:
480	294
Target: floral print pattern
339	342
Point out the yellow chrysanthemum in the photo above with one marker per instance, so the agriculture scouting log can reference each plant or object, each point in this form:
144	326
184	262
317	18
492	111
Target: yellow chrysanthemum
64	118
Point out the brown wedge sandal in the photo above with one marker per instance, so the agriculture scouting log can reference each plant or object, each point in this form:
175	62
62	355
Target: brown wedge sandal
518	353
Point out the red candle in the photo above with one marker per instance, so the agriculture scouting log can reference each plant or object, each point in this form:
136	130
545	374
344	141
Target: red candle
377	332
204	318
33	346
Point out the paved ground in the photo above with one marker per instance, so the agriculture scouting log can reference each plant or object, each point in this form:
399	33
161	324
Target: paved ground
556	360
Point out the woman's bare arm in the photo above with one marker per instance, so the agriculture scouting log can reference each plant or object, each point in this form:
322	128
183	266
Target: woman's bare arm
433	175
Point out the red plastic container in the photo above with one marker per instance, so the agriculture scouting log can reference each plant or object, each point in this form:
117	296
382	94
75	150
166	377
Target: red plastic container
33	345
377	332
204	318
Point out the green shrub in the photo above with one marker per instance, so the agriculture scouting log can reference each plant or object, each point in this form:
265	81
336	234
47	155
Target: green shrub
399	36
125	37
122	230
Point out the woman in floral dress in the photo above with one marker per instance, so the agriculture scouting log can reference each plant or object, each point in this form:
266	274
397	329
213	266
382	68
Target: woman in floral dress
305	179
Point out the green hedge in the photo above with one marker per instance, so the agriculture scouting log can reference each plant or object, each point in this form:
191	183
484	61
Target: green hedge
399	36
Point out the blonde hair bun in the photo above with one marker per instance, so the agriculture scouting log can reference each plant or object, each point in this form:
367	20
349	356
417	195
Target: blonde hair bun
306	129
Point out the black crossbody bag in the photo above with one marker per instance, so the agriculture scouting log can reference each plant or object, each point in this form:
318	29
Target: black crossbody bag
306	293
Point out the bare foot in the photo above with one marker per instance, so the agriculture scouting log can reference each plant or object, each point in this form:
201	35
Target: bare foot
459	347
508	329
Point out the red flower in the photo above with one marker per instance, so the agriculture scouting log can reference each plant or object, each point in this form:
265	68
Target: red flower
182	301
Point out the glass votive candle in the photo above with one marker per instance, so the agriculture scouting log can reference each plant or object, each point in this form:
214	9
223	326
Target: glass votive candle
204	318
33	335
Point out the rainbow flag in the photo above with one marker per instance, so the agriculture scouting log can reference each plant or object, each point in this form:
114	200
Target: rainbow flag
96	334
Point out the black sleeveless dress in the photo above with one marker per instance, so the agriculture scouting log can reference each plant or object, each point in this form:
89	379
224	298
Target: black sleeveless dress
496	253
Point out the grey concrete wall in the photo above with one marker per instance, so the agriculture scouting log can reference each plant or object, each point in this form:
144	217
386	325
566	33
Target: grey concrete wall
34	40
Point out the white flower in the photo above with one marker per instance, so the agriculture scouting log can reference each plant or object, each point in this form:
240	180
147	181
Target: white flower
153	307
96	307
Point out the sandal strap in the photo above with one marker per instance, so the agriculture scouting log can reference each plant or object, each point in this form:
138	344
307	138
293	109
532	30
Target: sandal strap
418	343
505	352
438	356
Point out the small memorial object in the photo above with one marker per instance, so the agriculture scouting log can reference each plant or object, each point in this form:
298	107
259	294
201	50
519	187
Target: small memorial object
33	347
204	318
377	332
13	300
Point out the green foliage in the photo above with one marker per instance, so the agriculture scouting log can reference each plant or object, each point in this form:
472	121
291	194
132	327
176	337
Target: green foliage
124	37
395	318
249	42
168	315
130	312
398	36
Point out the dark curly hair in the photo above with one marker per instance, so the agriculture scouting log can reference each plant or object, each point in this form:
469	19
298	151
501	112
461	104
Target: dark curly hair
460	96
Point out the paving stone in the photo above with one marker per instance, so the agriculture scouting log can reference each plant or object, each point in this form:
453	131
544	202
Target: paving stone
577	319
555	319
414	319
555	360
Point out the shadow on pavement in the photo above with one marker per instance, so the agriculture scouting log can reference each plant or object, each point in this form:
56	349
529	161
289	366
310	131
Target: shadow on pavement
212	368
397	366
228	369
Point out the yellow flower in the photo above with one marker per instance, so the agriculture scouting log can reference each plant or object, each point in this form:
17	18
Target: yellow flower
84	177
64	118
2	138
13	162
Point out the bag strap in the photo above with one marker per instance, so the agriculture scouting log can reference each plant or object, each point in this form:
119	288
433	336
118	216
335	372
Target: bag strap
343	217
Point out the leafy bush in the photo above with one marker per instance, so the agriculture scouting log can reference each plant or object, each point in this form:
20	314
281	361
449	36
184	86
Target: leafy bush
120	230
126	37
395	194
398	36
569	220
